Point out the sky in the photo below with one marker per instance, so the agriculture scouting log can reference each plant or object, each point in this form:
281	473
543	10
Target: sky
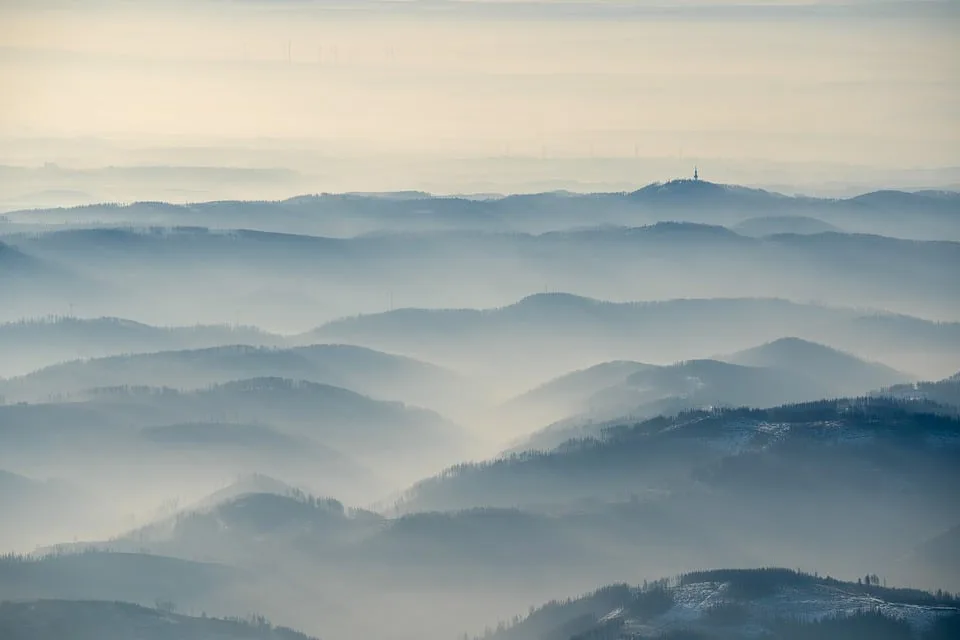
869	85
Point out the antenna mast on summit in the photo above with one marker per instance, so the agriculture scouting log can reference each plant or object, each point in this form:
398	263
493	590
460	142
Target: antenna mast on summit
696	174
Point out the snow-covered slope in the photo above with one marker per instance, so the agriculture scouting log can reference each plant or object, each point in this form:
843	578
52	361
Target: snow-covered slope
768	603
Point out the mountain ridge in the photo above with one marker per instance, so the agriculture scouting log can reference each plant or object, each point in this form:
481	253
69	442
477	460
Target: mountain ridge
774	603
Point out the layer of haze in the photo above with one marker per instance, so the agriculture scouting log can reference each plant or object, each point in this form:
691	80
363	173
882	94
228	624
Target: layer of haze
399	95
406	416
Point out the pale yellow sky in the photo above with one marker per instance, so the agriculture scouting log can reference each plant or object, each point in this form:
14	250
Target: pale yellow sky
856	88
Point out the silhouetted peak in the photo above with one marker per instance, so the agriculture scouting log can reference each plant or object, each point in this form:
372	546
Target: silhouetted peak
792	351
792	344
268	502
888	196
900	202
555	301
690	229
688	190
250	483
247	484
679	185
788	349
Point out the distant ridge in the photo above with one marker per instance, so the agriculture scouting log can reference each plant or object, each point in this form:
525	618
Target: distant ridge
843	371
369	372
782	371
772	225
945	392
675	188
685	187
585	331
46	619
246	484
327	216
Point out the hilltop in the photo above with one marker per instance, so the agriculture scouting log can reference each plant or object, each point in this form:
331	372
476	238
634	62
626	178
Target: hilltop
101	620
774	604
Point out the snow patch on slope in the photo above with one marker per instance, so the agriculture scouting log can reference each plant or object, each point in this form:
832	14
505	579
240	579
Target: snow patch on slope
692	602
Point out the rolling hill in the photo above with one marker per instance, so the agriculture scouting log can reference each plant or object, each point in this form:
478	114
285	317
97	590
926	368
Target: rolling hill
813	445
773	225
840	373
363	370
102	620
254	275
32	344
544	333
945	392
337	416
134	577
779	604
356	213
318	434
783	371
570	393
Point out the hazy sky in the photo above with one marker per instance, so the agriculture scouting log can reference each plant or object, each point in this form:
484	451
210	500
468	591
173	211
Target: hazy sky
874	84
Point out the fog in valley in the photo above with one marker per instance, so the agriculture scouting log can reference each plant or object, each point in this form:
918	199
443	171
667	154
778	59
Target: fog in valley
477	319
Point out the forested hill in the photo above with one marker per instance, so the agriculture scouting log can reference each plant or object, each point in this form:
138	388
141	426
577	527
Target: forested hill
861	445
99	620
774	604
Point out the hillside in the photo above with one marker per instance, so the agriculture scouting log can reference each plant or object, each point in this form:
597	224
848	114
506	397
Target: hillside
365	371
101	620
783	371
31	344
246	484
778	604
346	443
258	271
570	393
356	213
772	225
842	373
695	384
226	528
564	332
945	392
815	446
135	577
339	416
